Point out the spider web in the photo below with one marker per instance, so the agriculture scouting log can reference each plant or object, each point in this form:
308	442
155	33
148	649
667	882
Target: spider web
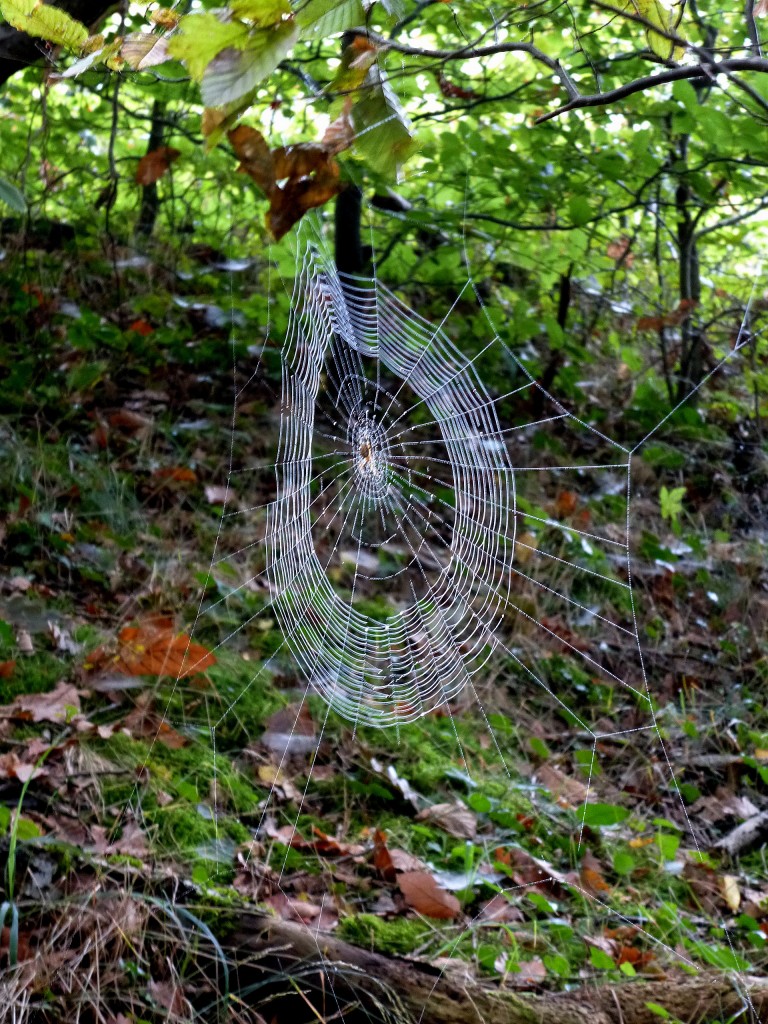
419	541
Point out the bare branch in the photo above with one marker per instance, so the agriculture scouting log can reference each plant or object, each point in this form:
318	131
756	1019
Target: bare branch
471	51
697	71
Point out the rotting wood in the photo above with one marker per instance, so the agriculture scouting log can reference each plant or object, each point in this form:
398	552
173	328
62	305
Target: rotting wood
430	996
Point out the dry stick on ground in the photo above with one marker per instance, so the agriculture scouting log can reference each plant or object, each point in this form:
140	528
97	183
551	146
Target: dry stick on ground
430	997
751	832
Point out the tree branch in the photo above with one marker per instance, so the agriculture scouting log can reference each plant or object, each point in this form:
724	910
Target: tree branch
678	74
470	52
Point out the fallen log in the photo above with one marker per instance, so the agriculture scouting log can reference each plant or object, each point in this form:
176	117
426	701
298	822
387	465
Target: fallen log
422	992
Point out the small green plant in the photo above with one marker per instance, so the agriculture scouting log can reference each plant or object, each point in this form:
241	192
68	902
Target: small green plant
671	502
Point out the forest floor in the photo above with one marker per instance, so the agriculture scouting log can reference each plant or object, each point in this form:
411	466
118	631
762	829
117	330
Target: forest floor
148	804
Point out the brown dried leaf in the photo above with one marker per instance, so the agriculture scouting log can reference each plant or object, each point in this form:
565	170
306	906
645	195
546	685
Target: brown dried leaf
382	859
455	819
154	165
144	50
423	894
562	786
170	997
59	705
254	155
340	134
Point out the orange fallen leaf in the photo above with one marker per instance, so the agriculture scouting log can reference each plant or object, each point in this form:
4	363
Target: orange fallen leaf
176	474
382	860
424	895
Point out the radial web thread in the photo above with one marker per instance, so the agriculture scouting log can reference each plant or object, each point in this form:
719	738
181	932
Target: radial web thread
395	476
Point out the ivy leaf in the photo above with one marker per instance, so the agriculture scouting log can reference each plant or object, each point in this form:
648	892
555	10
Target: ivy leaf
202	37
233	73
383	131
45	22
320	18
12	197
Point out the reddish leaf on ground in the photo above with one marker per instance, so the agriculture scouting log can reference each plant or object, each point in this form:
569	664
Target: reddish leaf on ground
565	504
170	997
141	327
154	165
591	874
153	648
322	918
382	859
7	669
424	895
176	474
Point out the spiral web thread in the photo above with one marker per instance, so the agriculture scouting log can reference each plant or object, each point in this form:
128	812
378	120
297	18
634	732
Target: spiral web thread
391	443
399	472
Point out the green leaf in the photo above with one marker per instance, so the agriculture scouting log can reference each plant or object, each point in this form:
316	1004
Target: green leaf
657	1010
320	18
597	815
27	829
667	19
261	12
623	863
202	37
12	197
383	135
45	22
600	959
671	502
232	74
558	964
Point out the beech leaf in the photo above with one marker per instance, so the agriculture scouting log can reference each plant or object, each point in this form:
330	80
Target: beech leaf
234	72
153	166
424	895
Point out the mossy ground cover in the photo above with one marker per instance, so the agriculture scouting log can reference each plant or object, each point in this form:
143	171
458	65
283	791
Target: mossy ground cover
163	778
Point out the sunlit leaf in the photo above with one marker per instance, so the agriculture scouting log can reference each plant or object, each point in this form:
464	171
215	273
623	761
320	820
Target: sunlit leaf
320	18
261	12
145	50
45	22
383	132
201	37
233	73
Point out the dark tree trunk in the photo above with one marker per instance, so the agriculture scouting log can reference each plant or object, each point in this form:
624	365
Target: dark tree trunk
149	198
350	256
